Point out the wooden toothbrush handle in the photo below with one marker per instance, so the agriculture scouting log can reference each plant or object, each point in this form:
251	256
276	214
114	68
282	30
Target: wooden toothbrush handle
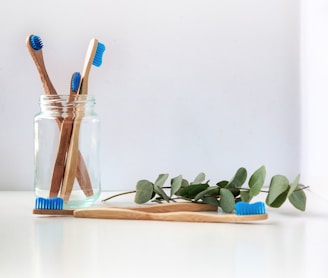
82	175
71	161
117	213
162	208
59	166
37	56
170	207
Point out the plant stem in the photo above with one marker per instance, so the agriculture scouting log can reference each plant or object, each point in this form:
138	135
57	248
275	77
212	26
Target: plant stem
119	194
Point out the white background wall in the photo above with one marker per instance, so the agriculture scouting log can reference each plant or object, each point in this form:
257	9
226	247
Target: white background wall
314	94
185	86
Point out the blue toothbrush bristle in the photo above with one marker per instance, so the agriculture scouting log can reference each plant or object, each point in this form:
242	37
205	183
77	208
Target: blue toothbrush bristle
49	203
97	60
75	82
243	208
36	42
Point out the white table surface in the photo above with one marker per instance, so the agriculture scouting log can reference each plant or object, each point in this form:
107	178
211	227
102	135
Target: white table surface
288	244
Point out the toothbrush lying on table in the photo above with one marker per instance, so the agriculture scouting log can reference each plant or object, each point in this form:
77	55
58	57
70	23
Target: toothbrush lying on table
54	206
244	213
34	46
93	57
179	216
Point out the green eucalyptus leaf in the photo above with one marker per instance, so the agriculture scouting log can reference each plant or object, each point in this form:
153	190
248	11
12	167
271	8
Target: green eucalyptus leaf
278	186
279	200
256	181
245	196
235	191
161	193
298	199
294	185
199	178
211	201
192	190
161	180
222	184
227	200
238	179
184	183
176	184
209	191
144	191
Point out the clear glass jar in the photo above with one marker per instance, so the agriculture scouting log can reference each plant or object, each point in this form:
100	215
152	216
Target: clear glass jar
66	150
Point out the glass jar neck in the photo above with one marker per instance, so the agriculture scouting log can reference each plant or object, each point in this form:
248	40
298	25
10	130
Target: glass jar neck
66	105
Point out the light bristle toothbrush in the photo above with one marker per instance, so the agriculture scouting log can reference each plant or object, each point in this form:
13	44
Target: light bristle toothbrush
35	45
179	212
93	57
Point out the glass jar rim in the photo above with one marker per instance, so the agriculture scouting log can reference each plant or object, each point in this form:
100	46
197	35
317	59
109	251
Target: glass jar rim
67	98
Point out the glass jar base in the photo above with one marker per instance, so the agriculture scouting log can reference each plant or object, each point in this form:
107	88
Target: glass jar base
77	198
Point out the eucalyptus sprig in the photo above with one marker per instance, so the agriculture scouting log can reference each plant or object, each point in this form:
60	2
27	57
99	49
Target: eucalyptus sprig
224	193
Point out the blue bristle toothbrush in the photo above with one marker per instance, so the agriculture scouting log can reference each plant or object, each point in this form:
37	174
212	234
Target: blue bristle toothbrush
93	57
64	139
35	45
256	213
54	206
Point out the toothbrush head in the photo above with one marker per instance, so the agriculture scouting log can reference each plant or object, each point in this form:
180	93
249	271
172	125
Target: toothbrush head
75	81
49	203
243	208
36	42
51	206
97	60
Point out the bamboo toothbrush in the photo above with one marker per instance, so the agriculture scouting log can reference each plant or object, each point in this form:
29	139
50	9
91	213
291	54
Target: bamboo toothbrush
93	57
82	174
179	216
65	135
54	207
244	213
34	46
